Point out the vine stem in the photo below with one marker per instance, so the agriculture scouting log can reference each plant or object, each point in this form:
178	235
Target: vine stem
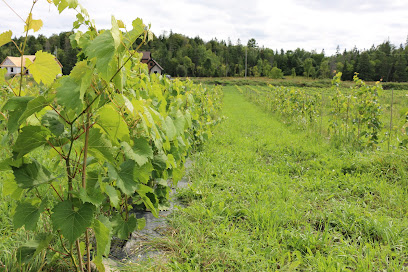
87	127
81	266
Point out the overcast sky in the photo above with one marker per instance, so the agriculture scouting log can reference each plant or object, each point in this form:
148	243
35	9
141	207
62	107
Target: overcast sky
287	24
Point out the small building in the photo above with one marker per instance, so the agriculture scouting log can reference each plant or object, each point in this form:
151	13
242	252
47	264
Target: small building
153	66
13	64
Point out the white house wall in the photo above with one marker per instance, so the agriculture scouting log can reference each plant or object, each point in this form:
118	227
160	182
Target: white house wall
155	70
8	63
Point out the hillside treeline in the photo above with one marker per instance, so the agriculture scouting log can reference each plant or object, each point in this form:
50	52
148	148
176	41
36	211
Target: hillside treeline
180	55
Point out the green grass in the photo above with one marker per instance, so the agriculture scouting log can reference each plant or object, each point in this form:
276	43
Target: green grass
266	196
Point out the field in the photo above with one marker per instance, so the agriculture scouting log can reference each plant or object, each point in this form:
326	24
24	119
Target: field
269	196
345	115
274	192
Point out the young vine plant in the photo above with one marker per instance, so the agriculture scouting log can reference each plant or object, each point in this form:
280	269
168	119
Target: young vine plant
110	136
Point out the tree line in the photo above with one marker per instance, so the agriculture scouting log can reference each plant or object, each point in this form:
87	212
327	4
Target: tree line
180	55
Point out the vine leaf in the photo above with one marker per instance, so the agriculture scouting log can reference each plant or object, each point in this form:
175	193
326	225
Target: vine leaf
32	248
180	122
26	252
72	223
159	161
44	68
143	173
34	106
123	228
93	196
170	128
113	124
99	146
124	177
16	107
63	4
51	121
141	151
115	32
82	74
68	93
113	195
29	139
149	198
103	49
32	24
103	236
5	37
31	175
26	214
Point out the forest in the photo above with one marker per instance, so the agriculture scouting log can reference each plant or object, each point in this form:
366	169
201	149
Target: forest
183	56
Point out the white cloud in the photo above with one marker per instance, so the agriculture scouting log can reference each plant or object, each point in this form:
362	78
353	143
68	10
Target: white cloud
289	24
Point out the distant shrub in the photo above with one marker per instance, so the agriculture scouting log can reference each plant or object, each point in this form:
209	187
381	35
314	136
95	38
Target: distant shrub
276	73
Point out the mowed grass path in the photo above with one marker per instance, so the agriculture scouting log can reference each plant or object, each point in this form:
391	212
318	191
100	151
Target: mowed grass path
268	197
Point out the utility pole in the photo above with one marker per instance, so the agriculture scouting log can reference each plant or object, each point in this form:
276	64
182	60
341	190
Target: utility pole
246	60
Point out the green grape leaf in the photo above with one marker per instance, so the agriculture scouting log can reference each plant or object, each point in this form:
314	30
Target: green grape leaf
99	146
32	248
178	174
32	24
116	34
16	107
70	222
138	29
148	198
103	49
98	261
51	121
3	72
26	252
143	173
82	74
5	37
159	161
26	214
141	151
93	196
44	68
170	128
103	237
34	106
121	24
113	124
11	188
63	4
31	175
68	93
180	122
72	4
29	139
188	119
113	195
123	228
124	177
43	240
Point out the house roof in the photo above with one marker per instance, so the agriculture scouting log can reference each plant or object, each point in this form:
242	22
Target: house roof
146	55
155	62
17	61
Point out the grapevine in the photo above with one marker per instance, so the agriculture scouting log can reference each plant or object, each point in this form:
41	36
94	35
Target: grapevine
112	136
